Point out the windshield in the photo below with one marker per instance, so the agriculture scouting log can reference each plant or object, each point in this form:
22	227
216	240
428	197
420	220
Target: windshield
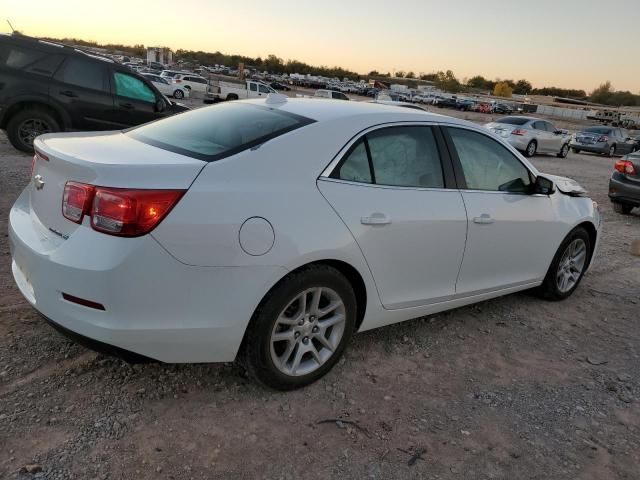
218	131
513	120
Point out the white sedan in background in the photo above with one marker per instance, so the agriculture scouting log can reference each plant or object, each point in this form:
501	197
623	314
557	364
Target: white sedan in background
166	87
273	230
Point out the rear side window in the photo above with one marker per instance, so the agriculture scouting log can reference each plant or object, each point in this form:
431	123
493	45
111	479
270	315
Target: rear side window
85	74
30	60
218	131
253	87
394	156
131	87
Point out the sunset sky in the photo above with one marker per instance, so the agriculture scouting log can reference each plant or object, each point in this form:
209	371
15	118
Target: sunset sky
564	43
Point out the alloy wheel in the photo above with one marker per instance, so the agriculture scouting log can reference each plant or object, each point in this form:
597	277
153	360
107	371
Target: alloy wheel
308	331
31	128
571	265
531	149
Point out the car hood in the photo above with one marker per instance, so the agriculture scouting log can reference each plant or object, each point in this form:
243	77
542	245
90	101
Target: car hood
566	185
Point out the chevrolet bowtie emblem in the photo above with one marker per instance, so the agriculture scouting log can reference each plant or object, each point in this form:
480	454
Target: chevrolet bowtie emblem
38	182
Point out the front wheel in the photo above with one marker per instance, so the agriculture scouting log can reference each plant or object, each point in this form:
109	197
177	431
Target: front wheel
564	151
568	266
301	328
179	94
612	150
622	208
530	151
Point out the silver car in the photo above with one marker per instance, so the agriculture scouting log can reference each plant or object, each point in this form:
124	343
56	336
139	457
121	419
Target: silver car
531	135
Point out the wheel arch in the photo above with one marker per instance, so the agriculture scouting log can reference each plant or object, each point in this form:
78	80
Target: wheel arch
35	103
593	237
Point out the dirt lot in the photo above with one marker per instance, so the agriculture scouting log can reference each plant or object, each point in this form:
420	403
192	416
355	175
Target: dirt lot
511	388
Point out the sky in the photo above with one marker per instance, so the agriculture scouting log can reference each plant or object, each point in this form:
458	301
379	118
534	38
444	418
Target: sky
563	43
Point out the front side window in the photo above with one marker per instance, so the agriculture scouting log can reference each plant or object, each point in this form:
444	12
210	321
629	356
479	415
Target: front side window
394	156
218	131
132	87
85	74
263	89
487	165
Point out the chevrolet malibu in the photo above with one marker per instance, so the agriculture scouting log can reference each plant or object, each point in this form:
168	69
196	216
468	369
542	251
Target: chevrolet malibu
272	230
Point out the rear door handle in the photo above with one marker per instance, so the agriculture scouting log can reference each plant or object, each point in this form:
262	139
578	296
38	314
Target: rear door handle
483	219
376	219
68	93
128	106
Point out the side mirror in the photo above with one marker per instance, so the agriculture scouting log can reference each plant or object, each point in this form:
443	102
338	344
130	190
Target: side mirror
543	186
160	105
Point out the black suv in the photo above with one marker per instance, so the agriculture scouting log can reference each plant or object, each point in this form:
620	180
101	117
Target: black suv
48	87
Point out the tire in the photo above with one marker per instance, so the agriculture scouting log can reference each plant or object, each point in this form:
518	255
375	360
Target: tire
273	362
552	287
531	149
564	151
26	125
179	94
575	150
612	151
622	208
232	96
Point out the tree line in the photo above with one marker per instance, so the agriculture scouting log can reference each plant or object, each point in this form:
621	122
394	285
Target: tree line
445	80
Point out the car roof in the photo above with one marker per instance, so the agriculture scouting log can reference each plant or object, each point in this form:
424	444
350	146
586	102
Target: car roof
55	47
322	110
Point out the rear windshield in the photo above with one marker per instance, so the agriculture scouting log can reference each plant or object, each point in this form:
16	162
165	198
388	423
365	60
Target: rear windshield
218	131
513	120
601	130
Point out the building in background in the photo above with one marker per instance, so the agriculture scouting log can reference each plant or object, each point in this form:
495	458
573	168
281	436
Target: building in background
161	55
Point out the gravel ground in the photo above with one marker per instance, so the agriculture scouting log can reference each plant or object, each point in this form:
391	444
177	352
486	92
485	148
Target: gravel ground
512	388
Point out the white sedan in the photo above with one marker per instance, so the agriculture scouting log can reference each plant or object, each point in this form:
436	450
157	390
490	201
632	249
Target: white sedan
273	230
166	87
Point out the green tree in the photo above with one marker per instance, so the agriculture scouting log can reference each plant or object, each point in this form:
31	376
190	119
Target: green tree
410	75
448	82
522	87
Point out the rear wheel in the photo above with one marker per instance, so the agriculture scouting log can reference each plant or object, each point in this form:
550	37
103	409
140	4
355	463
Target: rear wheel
179	94
530	151
568	266
232	96
576	150
622	208
564	151
26	125
301	328
612	150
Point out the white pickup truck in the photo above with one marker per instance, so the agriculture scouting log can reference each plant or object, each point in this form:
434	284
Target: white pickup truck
236	91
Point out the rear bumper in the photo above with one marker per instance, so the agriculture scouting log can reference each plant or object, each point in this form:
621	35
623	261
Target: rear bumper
622	190
155	306
518	142
594	148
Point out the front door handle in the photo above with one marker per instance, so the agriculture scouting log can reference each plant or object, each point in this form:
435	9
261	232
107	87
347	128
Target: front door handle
376	219
483	219
128	106
68	93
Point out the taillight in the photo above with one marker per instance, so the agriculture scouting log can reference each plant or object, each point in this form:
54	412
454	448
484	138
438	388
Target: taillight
625	166
178	81
603	138
519	131
118	211
76	200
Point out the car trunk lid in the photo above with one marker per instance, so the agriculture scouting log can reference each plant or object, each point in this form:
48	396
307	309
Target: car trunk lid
109	159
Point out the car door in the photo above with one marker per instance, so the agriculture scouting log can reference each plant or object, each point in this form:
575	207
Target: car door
556	140
394	190
135	101
82	88
623	144
541	136
512	234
